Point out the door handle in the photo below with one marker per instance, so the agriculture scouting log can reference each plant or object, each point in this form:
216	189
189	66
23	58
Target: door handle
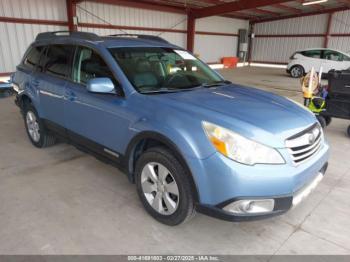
71	96
35	82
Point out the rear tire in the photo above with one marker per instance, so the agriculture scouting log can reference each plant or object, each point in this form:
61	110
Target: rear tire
164	187
36	130
297	71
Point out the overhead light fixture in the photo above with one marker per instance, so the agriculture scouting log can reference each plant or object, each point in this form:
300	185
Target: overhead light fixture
314	2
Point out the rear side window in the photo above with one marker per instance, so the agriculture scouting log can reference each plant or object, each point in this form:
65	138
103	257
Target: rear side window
57	59
33	57
312	53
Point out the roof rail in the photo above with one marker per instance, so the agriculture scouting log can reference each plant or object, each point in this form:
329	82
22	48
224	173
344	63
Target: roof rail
81	35
146	37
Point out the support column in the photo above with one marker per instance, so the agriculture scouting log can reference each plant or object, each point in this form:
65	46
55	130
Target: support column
328	31
191	28
250	41
71	6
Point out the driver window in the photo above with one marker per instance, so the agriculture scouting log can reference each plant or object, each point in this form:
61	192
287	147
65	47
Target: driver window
89	64
346	58
332	55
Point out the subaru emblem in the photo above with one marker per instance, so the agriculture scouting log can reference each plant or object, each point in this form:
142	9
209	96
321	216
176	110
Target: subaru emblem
311	138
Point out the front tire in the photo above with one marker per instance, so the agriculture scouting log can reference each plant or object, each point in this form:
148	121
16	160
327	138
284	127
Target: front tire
297	71
164	187
322	121
328	120
36	130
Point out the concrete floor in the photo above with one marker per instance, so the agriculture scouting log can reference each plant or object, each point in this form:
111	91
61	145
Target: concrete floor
61	201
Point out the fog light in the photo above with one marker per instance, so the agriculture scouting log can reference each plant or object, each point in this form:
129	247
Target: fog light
251	206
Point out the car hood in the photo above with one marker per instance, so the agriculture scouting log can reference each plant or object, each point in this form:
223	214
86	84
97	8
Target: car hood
256	114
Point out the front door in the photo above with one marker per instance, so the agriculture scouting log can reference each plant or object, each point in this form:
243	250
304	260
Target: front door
332	60
97	119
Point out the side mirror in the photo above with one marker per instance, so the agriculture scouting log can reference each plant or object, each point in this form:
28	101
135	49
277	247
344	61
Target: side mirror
102	85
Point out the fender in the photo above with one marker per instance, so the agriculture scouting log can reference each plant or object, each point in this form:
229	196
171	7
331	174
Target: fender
130	161
22	79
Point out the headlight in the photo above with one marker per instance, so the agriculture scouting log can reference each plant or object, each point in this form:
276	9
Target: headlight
239	148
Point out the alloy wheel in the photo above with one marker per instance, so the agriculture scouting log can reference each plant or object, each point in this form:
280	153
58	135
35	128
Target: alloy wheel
296	71
33	126
160	188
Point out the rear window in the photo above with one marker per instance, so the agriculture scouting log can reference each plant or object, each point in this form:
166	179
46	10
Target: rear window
33	57
56	61
312	53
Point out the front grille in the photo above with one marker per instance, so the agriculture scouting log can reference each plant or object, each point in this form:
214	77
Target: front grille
305	144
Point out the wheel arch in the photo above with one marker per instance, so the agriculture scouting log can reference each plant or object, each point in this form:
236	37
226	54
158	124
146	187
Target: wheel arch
148	139
23	99
298	65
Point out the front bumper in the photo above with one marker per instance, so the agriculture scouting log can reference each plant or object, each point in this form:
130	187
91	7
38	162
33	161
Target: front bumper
281	203
221	181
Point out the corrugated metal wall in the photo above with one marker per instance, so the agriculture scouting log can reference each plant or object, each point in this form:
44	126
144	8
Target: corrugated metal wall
212	48
204	44
126	16
279	49
15	38
340	25
316	24
35	9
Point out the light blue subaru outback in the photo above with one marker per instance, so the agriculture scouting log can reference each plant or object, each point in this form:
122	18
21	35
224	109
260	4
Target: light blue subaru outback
190	140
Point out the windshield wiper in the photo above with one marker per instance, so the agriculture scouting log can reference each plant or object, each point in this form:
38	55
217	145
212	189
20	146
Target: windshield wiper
164	91
216	83
190	88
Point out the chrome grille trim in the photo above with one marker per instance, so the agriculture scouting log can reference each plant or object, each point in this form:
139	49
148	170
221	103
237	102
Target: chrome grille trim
305	144
307	154
307	148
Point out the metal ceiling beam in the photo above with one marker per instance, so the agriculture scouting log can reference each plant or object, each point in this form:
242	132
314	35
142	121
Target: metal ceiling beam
239	16
287	8
264	12
316	12
214	2
142	5
235	6
346	2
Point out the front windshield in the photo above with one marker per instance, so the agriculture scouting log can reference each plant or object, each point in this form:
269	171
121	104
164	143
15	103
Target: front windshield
157	69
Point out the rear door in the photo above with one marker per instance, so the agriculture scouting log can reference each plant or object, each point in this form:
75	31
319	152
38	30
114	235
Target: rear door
25	75
55	67
312	59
